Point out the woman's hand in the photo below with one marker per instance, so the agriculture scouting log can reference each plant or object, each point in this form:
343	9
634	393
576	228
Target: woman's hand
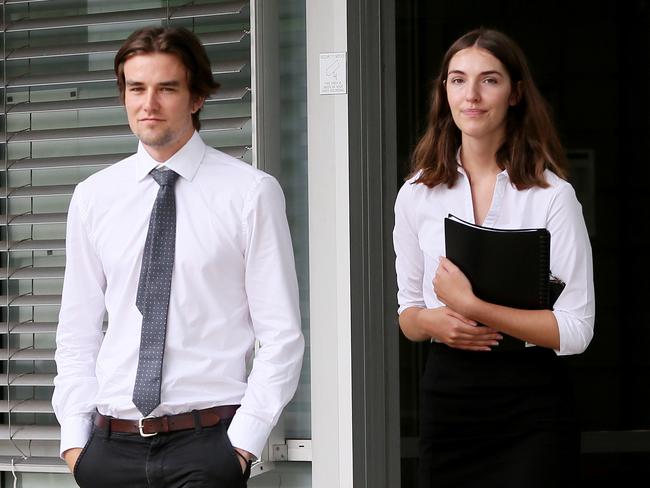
459	332
449	327
452	287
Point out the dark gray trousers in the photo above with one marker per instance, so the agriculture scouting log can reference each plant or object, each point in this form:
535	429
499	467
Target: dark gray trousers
198	458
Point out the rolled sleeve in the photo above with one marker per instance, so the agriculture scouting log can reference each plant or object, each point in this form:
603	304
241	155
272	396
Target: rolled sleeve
409	259
571	261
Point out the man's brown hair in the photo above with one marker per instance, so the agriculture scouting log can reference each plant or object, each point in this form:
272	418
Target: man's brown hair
179	42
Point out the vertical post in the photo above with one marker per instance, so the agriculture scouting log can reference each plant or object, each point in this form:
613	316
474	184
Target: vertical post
373	186
329	250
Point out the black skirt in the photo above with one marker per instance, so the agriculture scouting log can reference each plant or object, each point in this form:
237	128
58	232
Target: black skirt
497	419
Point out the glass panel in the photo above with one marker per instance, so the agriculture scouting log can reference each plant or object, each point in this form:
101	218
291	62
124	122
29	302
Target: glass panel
611	376
292	174
293	177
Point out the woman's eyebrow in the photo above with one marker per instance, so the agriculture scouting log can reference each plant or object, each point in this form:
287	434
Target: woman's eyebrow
482	73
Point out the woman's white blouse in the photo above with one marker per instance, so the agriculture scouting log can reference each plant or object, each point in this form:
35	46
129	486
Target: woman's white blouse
419	242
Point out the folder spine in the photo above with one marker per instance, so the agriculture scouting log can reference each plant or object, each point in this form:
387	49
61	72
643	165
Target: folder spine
544	264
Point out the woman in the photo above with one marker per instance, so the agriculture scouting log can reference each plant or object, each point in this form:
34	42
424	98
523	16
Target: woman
491	156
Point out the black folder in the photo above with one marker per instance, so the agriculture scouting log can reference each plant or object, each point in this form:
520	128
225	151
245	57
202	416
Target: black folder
508	267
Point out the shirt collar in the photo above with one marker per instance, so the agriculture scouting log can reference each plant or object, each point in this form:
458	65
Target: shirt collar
185	161
503	174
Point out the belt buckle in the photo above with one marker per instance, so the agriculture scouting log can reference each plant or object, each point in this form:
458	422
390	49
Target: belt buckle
141	425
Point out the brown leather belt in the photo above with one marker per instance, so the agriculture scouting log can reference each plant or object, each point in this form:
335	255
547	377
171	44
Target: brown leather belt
150	426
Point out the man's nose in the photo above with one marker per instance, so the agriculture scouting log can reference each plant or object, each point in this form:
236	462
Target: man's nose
151	100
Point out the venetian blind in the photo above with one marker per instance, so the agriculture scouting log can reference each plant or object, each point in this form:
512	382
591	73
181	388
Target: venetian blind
61	121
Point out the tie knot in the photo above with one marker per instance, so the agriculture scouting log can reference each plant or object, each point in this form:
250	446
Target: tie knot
164	177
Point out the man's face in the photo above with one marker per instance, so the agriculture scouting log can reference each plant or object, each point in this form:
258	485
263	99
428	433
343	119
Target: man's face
158	102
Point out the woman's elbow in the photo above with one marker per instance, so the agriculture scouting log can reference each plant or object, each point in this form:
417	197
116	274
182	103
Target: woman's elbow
576	337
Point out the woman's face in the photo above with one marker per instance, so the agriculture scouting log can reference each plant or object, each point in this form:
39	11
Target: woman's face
479	92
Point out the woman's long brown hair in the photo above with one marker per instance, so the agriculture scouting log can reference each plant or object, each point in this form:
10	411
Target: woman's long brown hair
531	144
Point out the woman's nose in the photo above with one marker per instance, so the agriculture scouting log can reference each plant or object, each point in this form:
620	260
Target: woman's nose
473	92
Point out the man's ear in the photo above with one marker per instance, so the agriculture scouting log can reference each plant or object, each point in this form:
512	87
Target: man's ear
197	104
515	95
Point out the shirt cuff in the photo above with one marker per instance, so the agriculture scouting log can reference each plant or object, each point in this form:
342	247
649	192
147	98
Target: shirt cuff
249	433
75	432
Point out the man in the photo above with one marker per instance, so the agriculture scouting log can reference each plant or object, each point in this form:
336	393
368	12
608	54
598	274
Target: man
188	251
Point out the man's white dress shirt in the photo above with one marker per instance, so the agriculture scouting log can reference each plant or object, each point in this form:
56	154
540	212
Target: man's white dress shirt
419	241
233	281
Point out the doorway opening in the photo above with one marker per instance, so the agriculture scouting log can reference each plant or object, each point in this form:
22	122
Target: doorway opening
595	75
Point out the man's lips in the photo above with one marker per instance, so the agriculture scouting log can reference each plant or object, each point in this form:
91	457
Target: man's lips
151	119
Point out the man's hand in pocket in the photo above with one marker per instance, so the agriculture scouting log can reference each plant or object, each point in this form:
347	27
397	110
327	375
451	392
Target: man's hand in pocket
70	457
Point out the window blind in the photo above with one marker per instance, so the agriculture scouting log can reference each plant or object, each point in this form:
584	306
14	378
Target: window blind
61	121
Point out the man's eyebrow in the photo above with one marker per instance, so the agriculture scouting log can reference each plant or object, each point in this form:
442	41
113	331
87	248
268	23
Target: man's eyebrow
162	83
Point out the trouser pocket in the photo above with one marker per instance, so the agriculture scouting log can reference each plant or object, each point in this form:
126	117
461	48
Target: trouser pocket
82	455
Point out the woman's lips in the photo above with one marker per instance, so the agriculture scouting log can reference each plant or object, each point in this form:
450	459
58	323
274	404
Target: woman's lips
473	112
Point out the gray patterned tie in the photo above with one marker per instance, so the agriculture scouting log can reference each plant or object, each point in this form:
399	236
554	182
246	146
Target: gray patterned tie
153	292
